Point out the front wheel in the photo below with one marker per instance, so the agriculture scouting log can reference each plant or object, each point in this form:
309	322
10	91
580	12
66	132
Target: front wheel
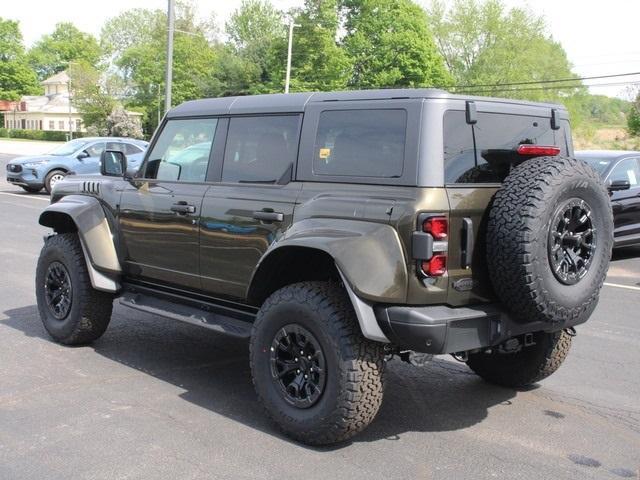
319	379
70	309
52	178
526	366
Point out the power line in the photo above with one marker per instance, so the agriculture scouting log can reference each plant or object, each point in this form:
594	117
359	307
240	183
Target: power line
557	80
556	87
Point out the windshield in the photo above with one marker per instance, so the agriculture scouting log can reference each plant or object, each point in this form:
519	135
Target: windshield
69	147
599	164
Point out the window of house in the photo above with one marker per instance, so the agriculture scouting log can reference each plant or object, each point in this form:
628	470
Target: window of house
78	125
61	124
51	125
261	149
182	151
361	143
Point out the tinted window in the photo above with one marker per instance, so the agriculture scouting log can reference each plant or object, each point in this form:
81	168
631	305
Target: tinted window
118	146
497	136
261	149
131	149
626	169
360	143
181	153
96	149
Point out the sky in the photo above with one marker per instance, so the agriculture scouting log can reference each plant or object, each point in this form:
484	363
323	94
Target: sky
600	37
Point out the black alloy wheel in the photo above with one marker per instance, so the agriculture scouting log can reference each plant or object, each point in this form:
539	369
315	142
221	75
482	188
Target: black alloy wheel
572	241
58	292
298	365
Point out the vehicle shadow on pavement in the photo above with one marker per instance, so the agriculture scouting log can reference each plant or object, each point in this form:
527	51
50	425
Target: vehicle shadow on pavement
214	373
625	253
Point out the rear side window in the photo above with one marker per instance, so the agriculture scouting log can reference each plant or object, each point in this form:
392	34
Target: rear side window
261	149
497	135
360	143
131	149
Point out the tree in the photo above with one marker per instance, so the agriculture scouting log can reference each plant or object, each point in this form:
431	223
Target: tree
16	77
633	117
120	124
485	44
318	62
142	63
93	93
55	52
390	45
257	37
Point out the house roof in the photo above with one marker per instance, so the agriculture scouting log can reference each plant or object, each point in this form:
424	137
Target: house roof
58	78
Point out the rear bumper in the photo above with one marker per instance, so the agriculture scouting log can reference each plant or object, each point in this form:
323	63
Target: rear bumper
441	329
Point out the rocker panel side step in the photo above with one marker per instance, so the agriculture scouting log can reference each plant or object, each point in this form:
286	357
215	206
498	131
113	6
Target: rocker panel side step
199	314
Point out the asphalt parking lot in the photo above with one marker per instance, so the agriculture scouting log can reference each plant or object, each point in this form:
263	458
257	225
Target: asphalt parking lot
156	399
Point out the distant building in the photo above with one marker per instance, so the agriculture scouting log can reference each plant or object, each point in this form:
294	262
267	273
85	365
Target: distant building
51	111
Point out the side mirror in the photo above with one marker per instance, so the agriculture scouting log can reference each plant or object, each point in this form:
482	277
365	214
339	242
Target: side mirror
113	163
618	185
82	155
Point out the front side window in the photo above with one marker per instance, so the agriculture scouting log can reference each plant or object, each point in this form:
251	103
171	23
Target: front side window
360	143
182	151
261	149
626	169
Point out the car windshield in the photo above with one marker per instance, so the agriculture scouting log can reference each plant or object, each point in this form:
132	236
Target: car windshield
69	147
598	163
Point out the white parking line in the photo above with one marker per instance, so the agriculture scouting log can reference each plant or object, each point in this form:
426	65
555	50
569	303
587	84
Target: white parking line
618	285
46	199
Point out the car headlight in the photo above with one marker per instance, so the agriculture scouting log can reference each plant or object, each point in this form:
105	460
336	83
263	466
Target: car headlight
33	164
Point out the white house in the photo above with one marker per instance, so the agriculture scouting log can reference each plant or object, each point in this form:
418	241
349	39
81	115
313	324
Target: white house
51	111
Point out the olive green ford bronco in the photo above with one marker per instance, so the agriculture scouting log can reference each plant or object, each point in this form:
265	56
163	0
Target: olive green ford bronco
336	230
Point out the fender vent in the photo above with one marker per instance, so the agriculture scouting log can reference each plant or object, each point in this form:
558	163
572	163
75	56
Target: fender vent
91	187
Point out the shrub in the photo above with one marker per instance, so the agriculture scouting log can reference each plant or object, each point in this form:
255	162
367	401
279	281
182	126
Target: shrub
51	136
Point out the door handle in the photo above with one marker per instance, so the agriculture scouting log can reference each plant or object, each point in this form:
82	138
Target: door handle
268	216
183	208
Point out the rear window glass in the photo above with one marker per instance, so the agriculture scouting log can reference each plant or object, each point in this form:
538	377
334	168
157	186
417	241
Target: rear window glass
497	136
361	143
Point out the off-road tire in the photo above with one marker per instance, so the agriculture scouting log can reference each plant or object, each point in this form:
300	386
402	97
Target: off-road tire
355	365
518	232
90	310
31	189
47	180
528	366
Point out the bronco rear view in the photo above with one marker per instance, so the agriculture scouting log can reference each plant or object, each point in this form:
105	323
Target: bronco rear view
336	230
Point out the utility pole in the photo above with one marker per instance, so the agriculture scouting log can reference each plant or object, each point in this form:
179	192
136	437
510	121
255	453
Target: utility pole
286	83
70	121
169	73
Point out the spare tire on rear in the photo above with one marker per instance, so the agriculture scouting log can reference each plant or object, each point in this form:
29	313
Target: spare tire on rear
549	240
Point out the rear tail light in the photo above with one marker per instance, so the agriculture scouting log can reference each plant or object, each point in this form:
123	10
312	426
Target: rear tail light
538	150
438	227
436	266
432	261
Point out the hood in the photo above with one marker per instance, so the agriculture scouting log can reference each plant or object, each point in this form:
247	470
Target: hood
31	158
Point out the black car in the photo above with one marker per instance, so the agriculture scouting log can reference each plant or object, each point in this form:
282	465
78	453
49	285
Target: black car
621	172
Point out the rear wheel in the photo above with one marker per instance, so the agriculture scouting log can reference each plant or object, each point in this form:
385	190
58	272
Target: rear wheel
71	310
319	379
526	366
52	178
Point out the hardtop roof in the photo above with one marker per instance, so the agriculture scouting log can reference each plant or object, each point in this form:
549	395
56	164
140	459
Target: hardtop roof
296	102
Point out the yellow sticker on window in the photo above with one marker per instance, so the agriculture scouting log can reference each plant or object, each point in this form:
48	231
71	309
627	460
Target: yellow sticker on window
325	152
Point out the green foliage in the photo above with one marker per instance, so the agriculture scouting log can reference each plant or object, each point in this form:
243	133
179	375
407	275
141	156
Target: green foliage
255	50
53	53
485	44
389	45
50	136
633	118
92	93
318	62
16	78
